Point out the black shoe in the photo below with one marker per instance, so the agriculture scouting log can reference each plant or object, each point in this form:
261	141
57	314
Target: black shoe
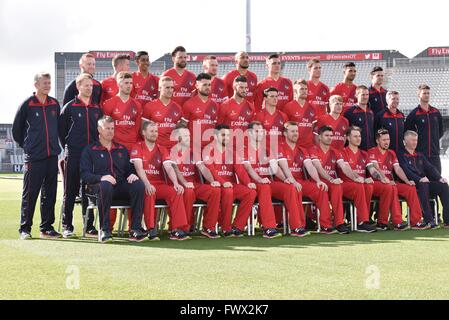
299	232
381	227
433	225
311	225
343	229
280	226
92	233
25	235
211	234
365	227
50	234
137	236
153	235
228	234
401	227
106	236
271	233
328	230
237	232
179	235
421	226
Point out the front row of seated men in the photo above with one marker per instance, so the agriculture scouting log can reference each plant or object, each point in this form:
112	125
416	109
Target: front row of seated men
224	174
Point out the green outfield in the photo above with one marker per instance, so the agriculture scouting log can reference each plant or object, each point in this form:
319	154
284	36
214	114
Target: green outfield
388	265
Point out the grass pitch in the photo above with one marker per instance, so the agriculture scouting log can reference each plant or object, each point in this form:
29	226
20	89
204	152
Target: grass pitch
383	265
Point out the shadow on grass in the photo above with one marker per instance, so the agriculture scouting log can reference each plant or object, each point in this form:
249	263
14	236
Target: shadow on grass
258	243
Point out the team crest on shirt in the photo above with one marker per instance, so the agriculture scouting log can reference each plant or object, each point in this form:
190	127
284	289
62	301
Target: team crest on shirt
220	89
252	83
233	113
423	121
360	119
287	87
79	115
157	114
37	114
102	155
116	110
176	114
134	111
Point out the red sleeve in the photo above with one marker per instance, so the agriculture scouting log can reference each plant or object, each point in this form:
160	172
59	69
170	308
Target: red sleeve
186	110
136	152
222	112
281	153
165	153
335	90
290	91
138	118
395	158
338	154
259	117
242	174
146	110
258	96
372	156
107	108
284	116
313	153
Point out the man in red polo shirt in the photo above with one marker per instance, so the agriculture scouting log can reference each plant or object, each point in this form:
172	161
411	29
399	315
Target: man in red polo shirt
194	189
303	113
109	86
274	80
318	92
336	121
201	113
145	84
221	169
219	91
386	162
346	89
165	112
242	65
183	79
150	160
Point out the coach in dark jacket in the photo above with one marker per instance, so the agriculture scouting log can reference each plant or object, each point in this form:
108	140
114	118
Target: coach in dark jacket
35	129
428	180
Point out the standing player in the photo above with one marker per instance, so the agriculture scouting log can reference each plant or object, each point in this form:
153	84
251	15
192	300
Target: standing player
318	92
165	112
237	112
336	121
145	84
241	69
428	123
201	113
120	63
386	162
393	120
35	129
274	80
271	118
183	79
188	176
77	129
87	65
360	115
377	94
126	112
346	89
303	113
219	91
150	160
220	168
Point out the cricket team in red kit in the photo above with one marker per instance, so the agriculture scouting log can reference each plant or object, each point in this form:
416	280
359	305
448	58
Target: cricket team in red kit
268	142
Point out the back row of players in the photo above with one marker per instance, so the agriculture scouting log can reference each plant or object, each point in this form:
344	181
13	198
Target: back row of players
292	115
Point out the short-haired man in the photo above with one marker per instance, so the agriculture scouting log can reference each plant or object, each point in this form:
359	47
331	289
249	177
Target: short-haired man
347	88
201	113
189	178
392	119
110	88
35	129
336	121
317	92
219	91
274	80
360	115
220	168
428	180
303	113
386	162
150	160
77	129
183	79
241	69
87	65
106	169
126	112
237	112
294	163
377	94
145	84
165	112
271	118
428	123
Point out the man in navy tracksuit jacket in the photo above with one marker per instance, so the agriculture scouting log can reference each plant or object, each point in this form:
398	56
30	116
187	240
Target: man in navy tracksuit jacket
393	120
429	182
428	123
106	169
361	116
377	94
77	129
87	65
35	129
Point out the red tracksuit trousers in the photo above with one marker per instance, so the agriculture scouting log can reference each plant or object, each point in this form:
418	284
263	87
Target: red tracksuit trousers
208	194
246	196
